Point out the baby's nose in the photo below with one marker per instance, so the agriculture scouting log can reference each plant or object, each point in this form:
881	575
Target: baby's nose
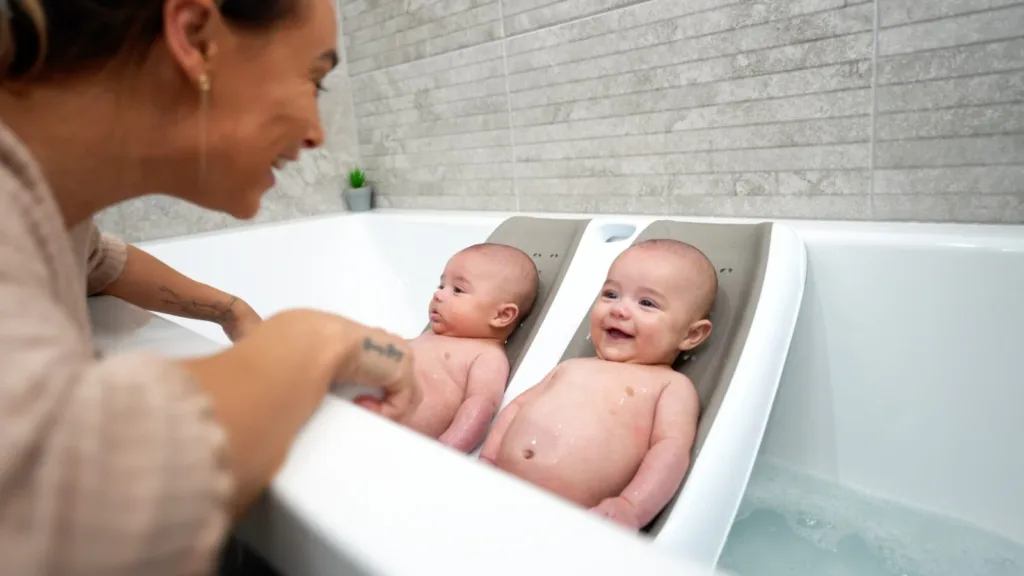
437	295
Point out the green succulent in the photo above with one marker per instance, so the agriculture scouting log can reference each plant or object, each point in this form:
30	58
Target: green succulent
356	178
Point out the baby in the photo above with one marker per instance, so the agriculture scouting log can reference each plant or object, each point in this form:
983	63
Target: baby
460	360
614	433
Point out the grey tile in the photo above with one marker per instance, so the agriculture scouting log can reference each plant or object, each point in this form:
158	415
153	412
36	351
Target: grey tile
976	27
827	207
502	203
827	79
952	122
782	22
896	12
632	71
1000	56
951	208
1006	87
528	15
976	151
797	133
946	181
454	140
396	32
764	112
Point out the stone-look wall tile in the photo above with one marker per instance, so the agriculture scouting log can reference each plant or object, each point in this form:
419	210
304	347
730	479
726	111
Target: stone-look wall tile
308	187
435	133
713	107
528	15
380	34
950	111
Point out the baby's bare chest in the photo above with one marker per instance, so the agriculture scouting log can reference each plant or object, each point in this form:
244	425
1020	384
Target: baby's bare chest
444	359
612	387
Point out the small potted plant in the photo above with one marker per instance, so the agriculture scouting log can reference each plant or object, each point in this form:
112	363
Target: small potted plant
359	196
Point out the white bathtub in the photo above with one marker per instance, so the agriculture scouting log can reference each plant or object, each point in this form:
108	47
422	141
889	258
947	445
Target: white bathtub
904	379
900	380
381	269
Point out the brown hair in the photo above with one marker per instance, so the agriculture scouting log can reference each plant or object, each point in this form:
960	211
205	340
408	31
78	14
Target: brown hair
40	38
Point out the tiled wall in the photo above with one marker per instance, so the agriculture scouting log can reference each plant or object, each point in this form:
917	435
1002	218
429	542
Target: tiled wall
893	109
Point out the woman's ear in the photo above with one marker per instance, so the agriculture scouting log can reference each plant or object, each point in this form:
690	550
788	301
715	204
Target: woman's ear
696	335
190	31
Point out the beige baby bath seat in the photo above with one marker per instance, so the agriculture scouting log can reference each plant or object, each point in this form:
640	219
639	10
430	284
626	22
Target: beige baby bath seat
741	254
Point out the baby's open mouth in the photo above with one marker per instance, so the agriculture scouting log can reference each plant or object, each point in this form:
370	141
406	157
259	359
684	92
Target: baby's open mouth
616	334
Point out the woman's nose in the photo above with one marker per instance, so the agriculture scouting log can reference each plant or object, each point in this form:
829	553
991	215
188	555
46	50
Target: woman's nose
315	138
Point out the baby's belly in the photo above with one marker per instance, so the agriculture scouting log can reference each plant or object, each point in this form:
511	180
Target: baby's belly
585	455
442	396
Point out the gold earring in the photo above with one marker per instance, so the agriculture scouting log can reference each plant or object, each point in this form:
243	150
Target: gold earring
204	83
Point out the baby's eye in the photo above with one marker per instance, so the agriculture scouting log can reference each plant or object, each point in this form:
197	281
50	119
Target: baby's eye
608	294
648	303
458	290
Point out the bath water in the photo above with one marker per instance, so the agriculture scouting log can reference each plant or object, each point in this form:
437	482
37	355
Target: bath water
795	524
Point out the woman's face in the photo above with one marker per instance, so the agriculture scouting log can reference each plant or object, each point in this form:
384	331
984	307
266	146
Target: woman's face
261	109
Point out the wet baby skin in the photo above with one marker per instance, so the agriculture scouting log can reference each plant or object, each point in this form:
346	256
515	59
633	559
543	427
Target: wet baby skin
460	361
614	433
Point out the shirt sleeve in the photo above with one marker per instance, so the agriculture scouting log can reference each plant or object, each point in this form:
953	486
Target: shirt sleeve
105	258
113	466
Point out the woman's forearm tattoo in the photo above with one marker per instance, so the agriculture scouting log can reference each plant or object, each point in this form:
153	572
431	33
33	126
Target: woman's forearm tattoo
211	311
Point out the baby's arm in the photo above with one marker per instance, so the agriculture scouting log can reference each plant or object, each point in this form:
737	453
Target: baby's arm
665	464
488	376
505	417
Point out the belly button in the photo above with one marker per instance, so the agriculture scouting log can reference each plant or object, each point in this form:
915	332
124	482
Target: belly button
527	454
629	391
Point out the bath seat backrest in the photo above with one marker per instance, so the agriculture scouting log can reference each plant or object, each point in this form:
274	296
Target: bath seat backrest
739	253
551	242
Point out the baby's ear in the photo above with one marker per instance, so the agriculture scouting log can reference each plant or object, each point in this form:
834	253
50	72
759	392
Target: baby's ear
696	334
505	316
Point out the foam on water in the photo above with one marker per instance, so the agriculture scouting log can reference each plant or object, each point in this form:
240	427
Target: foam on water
795	524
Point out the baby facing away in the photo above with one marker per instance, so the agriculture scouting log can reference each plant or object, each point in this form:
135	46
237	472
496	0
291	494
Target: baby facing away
614	433
460	361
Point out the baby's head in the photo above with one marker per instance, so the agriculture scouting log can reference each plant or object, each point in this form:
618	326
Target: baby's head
654	304
485	291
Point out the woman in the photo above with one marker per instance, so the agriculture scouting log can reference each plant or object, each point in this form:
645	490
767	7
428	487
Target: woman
136	464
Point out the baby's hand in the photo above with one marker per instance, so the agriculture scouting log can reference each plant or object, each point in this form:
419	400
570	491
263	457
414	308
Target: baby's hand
618	510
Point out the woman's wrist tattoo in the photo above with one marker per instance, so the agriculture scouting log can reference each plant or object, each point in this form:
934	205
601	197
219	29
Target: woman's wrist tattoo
388	351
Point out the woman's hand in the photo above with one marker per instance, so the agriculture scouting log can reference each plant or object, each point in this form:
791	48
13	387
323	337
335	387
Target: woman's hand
267	386
241	320
385	361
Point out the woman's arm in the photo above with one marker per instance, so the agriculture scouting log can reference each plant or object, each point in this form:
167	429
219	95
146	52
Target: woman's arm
148	283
